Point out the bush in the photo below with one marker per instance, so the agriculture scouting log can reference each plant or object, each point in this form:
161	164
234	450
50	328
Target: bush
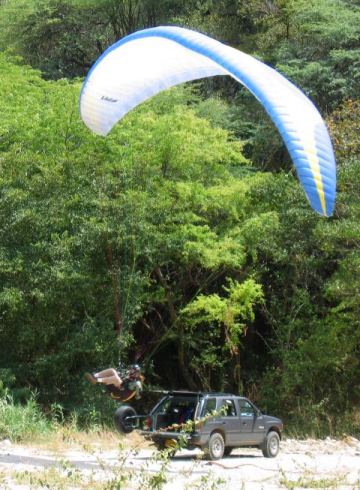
22	422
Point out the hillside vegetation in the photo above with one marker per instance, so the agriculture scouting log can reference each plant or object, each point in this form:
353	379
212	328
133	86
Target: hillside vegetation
183	240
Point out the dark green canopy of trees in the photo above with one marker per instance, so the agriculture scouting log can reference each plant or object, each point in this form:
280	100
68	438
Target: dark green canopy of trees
183	240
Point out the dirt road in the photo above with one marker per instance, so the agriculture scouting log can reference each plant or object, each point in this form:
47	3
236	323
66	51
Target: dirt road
300	464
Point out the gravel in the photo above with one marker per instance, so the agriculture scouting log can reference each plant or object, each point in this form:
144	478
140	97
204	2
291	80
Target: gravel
309	463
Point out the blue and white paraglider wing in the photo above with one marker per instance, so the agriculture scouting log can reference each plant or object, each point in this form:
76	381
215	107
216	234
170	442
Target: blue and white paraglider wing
146	62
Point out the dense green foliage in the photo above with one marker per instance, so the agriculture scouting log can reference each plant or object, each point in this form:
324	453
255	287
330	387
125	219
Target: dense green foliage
168	242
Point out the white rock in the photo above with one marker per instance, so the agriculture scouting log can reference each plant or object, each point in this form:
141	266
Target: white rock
5	443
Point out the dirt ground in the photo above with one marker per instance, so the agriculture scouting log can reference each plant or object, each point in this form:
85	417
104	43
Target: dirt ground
130	463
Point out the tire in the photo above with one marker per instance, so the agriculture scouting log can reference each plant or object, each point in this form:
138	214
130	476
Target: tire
228	450
216	447
122	425
271	445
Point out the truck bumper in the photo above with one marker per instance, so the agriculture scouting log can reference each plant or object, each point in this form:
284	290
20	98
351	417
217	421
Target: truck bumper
193	439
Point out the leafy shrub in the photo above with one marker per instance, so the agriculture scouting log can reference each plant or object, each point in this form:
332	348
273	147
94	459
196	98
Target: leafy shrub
22	422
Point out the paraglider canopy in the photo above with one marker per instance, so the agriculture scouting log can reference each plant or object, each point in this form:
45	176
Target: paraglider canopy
146	62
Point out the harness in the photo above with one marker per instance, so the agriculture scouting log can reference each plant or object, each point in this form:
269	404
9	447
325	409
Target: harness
123	395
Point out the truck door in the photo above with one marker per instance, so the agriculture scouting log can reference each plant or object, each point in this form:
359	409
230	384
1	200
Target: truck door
229	420
252	427
211	423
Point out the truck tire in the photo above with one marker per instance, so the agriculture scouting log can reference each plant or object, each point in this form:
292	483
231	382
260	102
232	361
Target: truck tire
122	425
216	447
271	445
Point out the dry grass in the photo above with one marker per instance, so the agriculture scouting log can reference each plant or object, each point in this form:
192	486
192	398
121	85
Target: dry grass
66	438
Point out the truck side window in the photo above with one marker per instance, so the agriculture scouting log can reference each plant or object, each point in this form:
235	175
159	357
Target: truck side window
227	408
209	406
246	408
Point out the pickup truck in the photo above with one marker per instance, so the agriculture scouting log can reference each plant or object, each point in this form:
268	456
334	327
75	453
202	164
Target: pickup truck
214	422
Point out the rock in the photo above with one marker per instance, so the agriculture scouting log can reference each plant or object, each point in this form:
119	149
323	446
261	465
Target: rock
351	441
5	443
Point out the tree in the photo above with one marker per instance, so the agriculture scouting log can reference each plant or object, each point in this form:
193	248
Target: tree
344	129
92	228
220	318
63	38
315	44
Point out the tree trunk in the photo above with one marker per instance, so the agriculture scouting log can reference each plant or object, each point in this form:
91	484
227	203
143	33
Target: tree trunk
181	341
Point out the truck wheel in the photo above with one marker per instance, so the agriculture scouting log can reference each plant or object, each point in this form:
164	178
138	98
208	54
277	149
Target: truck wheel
271	445
123	425
216	447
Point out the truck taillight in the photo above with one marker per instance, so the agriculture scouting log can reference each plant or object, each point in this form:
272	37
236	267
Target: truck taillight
147	424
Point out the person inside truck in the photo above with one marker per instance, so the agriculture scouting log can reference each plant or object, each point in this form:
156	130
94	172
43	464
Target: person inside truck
187	414
182	413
